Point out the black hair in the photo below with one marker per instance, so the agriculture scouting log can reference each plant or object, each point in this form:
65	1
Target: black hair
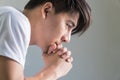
71	6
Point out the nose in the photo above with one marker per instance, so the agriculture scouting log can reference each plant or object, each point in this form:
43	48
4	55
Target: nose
66	38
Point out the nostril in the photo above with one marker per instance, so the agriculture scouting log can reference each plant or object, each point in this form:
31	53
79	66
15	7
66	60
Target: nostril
66	41
66	38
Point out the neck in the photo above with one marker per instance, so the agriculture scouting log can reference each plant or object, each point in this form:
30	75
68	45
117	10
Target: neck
28	13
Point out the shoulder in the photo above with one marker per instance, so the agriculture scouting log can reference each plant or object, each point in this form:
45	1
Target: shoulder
13	13
14	34
8	10
10	16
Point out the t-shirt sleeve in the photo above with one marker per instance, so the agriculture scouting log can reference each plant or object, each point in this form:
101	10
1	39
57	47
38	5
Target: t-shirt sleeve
14	37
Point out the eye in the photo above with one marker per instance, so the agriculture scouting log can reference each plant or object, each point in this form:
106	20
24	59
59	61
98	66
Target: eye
69	26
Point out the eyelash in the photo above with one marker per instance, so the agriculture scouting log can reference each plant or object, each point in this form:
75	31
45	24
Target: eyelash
69	26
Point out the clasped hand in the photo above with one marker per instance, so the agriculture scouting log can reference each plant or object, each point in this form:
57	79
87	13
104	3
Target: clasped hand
59	58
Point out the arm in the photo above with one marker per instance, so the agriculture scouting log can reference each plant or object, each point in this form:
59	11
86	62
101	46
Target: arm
11	70
56	66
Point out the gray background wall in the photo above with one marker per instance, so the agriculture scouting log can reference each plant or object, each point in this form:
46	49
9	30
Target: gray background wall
96	53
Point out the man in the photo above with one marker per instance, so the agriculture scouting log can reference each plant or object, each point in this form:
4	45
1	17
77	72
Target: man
45	23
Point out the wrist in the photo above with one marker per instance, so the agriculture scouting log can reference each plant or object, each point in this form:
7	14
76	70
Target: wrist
48	73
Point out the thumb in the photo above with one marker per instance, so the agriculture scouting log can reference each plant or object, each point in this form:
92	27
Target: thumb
52	48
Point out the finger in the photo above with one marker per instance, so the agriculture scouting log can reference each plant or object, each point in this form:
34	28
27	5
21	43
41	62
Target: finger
70	59
52	48
63	50
66	55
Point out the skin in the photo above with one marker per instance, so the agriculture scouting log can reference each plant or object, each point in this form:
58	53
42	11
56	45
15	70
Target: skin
48	31
59	26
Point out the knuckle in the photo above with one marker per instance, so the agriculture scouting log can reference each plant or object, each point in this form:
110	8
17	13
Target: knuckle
65	49
69	53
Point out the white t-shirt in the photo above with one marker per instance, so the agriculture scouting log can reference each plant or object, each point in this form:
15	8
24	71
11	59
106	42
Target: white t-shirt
14	34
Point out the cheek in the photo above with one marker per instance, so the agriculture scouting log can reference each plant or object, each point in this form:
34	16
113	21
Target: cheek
54	35
55	28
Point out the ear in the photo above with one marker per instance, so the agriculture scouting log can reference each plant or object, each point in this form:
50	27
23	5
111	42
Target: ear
47	8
